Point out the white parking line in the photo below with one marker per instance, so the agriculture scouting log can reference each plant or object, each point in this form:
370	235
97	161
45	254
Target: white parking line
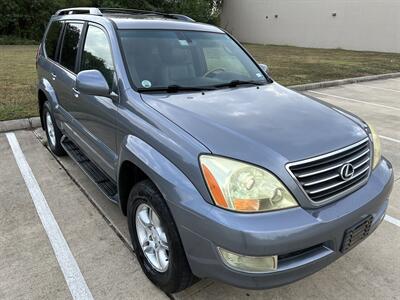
389	139
355	100
377	88
69	267
392	220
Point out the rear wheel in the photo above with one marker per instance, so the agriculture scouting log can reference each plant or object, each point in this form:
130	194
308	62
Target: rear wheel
53	133
156	240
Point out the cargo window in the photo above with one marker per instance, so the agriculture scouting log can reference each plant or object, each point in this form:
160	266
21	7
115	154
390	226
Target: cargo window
52	39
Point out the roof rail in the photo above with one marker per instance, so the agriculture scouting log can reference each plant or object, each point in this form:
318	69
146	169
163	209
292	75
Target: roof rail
78	10
101	11
145	12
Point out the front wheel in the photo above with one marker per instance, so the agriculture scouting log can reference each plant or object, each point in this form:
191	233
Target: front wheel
156	240
53	133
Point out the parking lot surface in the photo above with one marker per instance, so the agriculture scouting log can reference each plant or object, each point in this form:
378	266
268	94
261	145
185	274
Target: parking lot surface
97	239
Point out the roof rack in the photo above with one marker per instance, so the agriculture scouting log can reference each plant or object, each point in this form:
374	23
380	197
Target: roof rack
101	11
78	10
145	12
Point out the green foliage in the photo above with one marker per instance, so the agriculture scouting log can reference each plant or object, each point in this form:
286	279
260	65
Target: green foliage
27	19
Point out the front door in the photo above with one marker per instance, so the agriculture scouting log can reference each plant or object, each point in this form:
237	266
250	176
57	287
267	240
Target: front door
95	114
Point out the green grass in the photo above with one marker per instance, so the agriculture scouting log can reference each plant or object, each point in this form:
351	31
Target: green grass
293	65
13	40
17	82
288	65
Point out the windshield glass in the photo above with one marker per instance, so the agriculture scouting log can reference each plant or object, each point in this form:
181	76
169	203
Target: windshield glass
165	58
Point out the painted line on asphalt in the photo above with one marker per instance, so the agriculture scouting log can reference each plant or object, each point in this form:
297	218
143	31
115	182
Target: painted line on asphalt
377	88
392	220
389	139
355	100
69	267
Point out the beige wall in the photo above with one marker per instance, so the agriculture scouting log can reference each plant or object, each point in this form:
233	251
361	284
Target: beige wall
359	24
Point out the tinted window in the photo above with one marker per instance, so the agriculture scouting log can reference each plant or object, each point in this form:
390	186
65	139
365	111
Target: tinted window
70	45
52	39
97	53
161	58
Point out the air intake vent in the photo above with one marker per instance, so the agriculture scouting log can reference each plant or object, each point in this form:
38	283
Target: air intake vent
328	177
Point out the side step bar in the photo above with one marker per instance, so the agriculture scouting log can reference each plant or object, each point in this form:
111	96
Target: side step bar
106	185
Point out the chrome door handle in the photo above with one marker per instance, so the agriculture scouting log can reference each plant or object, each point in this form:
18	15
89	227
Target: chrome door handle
54	76
76	92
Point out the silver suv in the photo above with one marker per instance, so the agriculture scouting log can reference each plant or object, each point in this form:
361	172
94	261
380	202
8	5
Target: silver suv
221	172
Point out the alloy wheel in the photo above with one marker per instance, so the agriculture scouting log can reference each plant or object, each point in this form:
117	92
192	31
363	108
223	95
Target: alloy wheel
152	237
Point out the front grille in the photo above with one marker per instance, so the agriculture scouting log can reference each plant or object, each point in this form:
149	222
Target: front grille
322	177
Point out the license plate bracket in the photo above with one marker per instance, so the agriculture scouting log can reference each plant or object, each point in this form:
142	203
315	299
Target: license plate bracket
355	234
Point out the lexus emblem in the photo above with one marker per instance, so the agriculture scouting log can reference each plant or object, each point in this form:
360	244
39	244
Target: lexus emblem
347	171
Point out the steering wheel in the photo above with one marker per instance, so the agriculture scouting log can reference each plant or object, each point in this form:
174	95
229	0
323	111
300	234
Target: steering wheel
207	74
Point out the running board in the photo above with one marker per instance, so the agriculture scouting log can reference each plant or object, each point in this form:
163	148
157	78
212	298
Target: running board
105	184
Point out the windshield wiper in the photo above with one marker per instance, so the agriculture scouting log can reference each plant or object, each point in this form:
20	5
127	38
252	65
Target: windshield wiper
175	88
235	83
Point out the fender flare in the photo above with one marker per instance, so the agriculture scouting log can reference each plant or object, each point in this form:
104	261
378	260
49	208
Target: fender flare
173	184
45	87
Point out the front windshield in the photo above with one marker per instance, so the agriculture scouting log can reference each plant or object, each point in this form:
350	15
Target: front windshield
163	58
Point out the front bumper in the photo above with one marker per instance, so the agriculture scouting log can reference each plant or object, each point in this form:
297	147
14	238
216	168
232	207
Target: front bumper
305	240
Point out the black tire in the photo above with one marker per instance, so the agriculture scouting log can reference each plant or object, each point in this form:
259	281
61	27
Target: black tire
56	148
178	276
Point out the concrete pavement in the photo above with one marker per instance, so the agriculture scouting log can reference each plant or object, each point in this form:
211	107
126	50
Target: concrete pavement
97	234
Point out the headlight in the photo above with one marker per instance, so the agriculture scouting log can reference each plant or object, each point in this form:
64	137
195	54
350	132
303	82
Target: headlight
243	187
376	141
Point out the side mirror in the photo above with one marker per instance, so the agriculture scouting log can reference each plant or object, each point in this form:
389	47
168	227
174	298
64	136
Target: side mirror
264	68
92	82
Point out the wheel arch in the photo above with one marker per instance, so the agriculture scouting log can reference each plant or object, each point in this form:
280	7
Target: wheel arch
42	98
129	175
138	161
45	92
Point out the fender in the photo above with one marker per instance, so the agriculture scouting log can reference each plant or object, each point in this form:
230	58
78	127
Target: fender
45	86
175	187
60	115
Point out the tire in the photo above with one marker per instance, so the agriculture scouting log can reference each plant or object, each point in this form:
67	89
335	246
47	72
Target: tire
177	275
54	135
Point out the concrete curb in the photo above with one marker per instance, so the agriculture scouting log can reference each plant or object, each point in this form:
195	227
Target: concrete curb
32	123
325	84
28	123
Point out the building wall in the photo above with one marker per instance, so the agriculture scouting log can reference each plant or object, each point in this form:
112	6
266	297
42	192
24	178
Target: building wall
358	25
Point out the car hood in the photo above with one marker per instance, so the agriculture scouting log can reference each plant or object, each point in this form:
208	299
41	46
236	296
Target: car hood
269	124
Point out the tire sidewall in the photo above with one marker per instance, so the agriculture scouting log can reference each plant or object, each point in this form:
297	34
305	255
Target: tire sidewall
142	194
57	148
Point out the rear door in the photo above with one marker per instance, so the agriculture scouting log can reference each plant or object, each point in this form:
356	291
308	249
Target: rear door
64	72
48	53
96	115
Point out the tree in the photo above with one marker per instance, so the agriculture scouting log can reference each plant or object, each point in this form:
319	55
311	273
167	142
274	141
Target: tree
28	19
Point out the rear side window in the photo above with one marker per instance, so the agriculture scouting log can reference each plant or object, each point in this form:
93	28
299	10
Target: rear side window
52	39
97	53
70	45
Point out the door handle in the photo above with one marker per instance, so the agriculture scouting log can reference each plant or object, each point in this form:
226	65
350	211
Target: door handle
54	76
76	92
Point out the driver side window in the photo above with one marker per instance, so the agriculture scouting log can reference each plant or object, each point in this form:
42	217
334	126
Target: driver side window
97	53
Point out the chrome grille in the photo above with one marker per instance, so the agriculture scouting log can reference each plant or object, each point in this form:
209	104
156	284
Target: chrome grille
322	178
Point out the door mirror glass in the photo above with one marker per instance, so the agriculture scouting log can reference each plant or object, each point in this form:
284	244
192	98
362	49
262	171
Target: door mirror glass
92	82
264	68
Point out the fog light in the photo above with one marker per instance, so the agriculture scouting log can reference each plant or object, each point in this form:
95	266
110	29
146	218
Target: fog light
251	264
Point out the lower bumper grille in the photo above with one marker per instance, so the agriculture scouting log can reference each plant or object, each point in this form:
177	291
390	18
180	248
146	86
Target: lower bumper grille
331	176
